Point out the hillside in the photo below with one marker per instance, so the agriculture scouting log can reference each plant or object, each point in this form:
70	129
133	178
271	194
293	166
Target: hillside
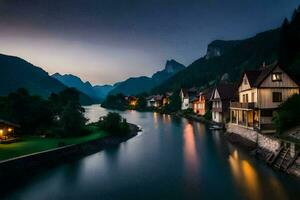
18	73
97	92
136	85
226	57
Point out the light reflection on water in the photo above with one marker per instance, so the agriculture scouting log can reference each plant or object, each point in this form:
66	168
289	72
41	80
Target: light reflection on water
173	159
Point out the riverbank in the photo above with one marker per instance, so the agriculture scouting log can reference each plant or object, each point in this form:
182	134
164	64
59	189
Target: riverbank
277	153
24	164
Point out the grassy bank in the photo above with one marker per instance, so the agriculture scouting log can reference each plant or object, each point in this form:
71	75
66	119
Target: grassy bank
34	144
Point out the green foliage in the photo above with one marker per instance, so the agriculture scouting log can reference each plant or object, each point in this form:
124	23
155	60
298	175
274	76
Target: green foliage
288	114
32	112
114	124
117	102
72	120
175	103
142	102
208	115
61	115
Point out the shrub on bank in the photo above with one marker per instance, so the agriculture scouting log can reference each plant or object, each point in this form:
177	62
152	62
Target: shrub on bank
114	124
288	114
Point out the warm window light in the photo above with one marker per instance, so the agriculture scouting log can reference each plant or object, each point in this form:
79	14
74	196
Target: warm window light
1	132
277	76
10	129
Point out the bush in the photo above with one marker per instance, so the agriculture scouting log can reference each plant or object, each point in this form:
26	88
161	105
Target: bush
208	115
288	114
114	124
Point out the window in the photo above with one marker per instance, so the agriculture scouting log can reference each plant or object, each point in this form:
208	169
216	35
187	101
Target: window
252	96
245	98
277	76
277	97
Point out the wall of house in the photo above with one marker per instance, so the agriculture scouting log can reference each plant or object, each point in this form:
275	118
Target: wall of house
185	104
244	84
217	117
249	93
265	96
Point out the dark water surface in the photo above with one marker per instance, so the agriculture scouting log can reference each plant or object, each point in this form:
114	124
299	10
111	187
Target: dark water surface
172	159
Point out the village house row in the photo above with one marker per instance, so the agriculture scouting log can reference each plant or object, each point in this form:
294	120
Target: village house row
250	104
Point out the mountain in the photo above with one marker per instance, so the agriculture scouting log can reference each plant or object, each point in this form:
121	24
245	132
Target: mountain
18	73
101	91
226	59
136	85
97	93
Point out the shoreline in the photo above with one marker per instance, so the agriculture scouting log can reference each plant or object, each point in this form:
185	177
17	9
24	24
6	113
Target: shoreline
28	163
263	154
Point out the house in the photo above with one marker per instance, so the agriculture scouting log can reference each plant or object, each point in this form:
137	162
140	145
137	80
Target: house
7	129
220	98
155	101
202	104
260	93
132	100
187	97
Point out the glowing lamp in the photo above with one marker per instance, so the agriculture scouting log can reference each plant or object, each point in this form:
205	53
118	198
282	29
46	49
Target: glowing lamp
10	130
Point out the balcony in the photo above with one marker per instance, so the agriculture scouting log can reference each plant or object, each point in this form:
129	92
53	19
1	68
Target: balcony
251	105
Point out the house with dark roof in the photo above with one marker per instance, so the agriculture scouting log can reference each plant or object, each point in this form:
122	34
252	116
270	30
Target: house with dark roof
7	129
260	93
202	104
187	97
221	97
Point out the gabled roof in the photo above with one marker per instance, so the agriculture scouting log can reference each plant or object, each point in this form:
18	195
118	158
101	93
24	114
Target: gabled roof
257	77
9	123
227	91
207	93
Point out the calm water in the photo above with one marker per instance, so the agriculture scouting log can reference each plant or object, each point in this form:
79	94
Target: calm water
172	159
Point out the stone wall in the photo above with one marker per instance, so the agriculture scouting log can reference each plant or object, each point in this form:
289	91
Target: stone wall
263	141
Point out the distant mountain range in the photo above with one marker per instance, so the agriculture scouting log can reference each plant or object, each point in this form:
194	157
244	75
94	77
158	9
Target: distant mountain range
226	59
136	85
97	93
18	73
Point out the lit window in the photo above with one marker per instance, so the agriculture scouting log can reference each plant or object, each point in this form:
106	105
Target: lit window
277	76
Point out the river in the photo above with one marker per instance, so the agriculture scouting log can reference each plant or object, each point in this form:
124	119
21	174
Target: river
172	158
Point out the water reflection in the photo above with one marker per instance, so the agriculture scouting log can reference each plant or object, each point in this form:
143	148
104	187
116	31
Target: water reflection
246	178
190	152
245	175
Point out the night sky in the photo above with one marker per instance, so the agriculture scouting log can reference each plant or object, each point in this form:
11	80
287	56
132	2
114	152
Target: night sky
105	41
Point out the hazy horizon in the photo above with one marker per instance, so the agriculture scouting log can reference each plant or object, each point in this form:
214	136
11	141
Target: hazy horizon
104	42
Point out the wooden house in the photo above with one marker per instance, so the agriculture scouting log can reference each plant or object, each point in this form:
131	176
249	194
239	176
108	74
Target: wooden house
187	97
221	97
7	129
260	93
202	104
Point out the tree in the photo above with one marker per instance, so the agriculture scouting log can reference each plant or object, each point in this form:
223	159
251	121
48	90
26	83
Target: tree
114	124
32	112
141	103
72	120
288	114
115	102
175	103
